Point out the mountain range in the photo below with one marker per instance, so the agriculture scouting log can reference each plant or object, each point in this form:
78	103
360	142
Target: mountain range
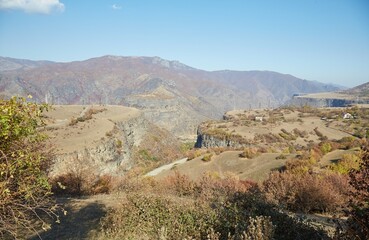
172	95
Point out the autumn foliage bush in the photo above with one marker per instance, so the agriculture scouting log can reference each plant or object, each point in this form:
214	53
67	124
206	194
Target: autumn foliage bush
81	184
250	153
24	159
357	224
307	192
208	208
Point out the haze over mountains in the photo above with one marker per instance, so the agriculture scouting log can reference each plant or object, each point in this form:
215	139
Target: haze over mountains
172	95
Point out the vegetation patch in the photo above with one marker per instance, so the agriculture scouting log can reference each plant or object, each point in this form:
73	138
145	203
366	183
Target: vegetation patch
25	193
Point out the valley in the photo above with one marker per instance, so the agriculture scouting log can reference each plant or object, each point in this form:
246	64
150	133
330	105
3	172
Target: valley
132	138
246	148
171	94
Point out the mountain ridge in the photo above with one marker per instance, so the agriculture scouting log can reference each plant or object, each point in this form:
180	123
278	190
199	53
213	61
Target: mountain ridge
196	95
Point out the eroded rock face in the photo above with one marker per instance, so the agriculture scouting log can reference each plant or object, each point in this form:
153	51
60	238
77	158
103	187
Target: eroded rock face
358	95
322	102
99	139
110	156
212	139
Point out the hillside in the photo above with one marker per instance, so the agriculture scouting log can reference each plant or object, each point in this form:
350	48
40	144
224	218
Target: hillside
105	140
252	143
359	91
171	94
356	95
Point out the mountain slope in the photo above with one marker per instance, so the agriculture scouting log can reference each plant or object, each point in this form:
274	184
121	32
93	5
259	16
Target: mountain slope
172	95
359	91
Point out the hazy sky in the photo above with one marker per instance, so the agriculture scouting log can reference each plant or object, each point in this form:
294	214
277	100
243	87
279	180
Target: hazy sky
323	40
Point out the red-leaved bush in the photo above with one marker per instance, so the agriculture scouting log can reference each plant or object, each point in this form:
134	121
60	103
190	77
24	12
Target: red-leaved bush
307	192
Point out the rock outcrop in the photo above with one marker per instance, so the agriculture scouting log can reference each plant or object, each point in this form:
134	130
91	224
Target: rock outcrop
112	155
329	99
216	137
100	139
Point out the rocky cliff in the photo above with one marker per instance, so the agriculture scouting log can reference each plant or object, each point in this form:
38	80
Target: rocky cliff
99	139
211	136
329	99
113	153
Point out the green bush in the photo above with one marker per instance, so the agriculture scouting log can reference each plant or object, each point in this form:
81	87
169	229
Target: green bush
207	157
347	163
325	147
24	160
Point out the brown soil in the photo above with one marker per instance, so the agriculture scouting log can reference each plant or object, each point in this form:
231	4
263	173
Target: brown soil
82	220
68	137
256	169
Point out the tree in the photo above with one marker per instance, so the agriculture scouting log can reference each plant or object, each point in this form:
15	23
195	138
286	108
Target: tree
25	193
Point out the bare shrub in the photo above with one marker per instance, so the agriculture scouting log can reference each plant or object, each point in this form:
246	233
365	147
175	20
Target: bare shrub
320	134
299	133
157	216
81	181
249	153
348	143
179	184
307	192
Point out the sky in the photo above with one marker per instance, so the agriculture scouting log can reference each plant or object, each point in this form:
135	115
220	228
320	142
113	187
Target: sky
321	40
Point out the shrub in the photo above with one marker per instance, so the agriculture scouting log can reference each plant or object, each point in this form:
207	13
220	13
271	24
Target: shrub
152	216
357	223
299	133
298	166
286	135
325	147
347	163
307	192
207	157
238	215
81	183
348	143
320	134
180	184
24	160
282	156
234	214
249	153
118	143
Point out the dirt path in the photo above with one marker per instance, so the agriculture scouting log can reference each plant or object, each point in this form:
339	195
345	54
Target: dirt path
169	166
83	217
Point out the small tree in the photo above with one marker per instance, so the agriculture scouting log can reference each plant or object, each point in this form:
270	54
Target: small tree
24	188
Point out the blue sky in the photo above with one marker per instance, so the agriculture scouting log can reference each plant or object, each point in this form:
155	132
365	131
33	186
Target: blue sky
322	40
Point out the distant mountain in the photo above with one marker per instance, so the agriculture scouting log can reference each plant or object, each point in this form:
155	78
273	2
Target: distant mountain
7	64
172	94
359	91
